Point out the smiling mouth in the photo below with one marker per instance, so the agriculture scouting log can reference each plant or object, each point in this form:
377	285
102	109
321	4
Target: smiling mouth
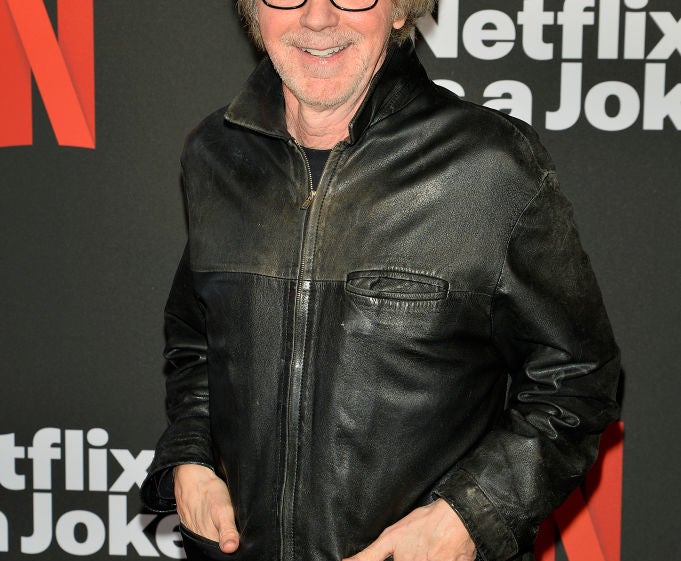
324	52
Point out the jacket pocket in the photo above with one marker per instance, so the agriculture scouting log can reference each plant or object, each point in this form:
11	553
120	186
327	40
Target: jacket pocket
396	285
199	548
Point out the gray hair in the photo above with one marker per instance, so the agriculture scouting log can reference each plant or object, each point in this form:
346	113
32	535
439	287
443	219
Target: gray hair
411	10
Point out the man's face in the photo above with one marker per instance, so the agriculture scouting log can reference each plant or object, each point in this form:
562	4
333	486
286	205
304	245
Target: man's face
325	56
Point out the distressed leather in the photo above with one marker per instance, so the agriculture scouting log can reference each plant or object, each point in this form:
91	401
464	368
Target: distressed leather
429	327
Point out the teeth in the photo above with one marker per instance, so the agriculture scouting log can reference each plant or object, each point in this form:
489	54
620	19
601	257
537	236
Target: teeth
325	52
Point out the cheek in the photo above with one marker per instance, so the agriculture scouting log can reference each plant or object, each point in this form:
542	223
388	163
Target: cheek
379	32
266	34
271	30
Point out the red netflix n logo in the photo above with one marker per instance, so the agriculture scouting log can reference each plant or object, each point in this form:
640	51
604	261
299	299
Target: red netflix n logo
64	70
590	520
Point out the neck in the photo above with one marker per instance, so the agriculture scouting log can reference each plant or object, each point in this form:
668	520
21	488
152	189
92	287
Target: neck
318	127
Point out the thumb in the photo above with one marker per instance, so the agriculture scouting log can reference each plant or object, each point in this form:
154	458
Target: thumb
376	551
228	534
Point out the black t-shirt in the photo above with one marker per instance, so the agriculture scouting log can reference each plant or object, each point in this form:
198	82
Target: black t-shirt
317	159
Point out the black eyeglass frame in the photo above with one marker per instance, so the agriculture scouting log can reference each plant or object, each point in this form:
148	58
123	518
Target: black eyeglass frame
332	2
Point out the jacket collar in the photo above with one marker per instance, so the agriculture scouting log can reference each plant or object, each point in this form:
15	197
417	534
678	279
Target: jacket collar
260	105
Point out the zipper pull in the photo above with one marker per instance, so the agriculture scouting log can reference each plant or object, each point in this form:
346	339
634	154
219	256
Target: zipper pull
307	202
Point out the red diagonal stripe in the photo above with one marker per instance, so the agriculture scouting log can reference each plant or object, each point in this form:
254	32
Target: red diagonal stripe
16	124
70	118
603	488
577	531
77	43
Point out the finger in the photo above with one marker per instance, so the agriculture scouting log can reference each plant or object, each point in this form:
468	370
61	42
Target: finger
379	550
228	534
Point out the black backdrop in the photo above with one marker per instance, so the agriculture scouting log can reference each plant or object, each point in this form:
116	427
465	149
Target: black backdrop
90	239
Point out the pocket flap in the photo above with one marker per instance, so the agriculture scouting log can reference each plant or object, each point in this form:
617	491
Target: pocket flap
400	285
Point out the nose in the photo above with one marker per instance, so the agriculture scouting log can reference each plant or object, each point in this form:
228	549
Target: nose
319	14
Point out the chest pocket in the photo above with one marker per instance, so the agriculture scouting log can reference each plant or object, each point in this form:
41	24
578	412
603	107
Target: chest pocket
396	285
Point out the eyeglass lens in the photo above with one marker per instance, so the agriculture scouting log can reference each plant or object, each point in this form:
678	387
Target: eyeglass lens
348	5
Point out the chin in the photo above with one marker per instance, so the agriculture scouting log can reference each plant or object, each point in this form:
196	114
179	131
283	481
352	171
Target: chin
326	96
324	101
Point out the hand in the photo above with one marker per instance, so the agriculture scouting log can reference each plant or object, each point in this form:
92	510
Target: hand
204	505
434	533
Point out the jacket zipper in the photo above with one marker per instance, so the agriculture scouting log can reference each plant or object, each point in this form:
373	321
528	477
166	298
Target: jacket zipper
294	383
312	191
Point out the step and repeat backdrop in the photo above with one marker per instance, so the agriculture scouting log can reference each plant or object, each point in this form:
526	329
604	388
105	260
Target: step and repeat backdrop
96	97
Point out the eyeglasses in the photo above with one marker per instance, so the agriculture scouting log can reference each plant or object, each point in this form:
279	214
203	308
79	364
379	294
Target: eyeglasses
345	5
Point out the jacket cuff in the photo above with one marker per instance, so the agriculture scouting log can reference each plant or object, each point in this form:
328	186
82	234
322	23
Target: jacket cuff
493	538
157	490
186	441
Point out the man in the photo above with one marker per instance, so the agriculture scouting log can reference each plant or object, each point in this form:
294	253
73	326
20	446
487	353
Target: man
384	337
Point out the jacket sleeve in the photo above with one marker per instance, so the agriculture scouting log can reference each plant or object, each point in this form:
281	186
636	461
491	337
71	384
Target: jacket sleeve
550	327
187	438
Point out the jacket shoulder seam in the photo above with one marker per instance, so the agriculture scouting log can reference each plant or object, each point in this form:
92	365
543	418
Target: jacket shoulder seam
540	190
504	120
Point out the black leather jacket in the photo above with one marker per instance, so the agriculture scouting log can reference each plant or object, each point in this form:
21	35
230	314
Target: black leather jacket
428	326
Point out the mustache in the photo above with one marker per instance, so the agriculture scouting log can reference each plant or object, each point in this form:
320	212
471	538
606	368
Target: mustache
323	39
